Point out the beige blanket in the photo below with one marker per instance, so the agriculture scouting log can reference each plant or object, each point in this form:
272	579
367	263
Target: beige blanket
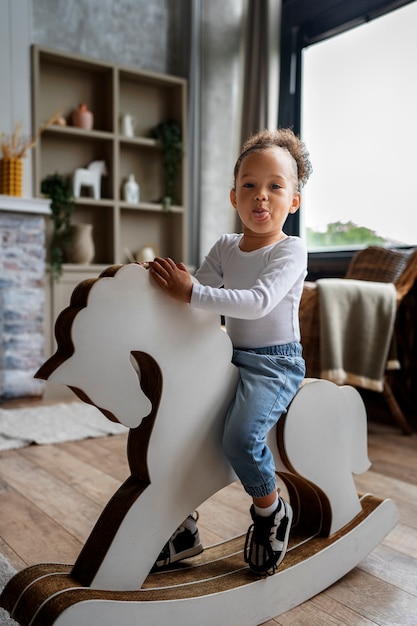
356	327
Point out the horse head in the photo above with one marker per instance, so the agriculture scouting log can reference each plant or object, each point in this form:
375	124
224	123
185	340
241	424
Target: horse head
98	166
114	328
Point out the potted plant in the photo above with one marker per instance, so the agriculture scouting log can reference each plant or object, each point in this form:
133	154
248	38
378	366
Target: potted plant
168	134
59	190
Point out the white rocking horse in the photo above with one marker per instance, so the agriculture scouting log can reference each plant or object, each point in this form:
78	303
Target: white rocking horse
89	177
164	370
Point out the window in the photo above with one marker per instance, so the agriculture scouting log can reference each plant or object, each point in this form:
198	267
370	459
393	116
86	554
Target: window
359	121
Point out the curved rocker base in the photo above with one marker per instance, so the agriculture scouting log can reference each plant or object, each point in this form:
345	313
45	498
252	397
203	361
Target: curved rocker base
213	588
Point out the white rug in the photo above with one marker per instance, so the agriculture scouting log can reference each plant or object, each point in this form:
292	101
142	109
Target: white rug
65	421
6	572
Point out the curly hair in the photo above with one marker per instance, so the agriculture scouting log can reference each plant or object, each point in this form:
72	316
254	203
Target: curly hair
281	138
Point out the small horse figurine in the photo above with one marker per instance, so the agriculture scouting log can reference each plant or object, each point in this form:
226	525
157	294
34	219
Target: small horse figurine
89	177
163	369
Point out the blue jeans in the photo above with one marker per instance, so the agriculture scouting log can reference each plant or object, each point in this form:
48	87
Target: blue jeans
269	379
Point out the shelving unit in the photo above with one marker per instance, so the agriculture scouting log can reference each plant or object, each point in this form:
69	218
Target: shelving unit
60	82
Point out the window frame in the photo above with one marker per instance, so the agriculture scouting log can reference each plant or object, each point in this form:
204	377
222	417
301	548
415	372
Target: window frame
304	23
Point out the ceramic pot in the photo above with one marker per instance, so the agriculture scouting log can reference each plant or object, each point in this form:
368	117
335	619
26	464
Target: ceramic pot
81	249
146	254
83	118
127	125
131	190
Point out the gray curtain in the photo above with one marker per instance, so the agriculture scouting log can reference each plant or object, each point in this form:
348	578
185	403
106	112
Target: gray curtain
261	66
261	69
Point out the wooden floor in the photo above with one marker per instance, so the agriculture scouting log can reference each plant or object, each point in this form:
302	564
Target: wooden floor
50	497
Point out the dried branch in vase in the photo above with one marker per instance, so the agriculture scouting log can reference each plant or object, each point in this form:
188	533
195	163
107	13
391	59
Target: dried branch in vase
16	146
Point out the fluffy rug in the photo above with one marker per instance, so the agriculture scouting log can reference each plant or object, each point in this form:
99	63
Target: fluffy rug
6	572
65	421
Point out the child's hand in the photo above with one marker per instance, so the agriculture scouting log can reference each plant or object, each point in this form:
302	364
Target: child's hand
173	278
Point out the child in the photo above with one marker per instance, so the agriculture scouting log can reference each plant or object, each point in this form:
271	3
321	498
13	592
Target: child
255	280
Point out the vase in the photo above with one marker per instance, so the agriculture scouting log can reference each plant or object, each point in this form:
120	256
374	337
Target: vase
146	254
131	190
11	176
127	125
81	250
83	118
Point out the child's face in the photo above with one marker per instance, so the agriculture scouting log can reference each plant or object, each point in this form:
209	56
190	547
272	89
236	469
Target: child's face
265	191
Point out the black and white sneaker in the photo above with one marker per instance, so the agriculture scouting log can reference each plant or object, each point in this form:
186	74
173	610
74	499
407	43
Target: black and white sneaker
267	539
183	544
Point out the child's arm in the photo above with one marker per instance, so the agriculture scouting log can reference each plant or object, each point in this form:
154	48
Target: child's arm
173	278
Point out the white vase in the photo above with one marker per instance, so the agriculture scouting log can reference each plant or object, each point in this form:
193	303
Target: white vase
127	125
81	249
145	254
131	190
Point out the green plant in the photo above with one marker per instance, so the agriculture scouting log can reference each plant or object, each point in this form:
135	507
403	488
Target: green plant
169	136
59	190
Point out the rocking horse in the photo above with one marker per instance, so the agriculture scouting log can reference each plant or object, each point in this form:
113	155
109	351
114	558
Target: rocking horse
164	370
89	176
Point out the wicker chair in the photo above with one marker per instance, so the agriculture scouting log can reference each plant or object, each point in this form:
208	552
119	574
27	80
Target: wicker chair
375	264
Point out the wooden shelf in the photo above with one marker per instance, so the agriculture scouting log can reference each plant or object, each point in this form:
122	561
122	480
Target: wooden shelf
61	81
80	132
152	206
140	141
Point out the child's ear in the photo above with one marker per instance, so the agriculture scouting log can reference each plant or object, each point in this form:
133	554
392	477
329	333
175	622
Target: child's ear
296	201
233	198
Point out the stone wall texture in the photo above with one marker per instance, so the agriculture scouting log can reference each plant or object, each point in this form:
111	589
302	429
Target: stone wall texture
22	294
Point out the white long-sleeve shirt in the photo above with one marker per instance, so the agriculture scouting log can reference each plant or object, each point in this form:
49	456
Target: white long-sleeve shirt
261	290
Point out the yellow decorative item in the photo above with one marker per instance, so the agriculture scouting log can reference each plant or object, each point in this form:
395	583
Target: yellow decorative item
13	148
11	175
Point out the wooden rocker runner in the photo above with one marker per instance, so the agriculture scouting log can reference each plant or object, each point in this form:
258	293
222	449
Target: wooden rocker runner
164	371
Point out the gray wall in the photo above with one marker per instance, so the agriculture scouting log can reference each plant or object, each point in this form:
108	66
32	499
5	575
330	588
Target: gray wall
126	32
15	37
